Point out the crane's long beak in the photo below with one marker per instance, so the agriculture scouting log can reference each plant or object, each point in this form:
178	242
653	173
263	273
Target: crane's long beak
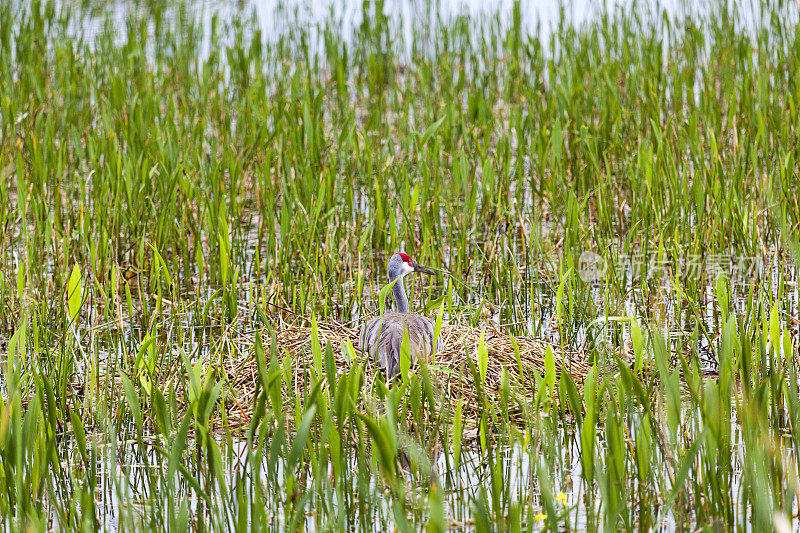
424	270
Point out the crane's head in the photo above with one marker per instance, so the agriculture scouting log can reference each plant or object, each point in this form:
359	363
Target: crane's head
401	264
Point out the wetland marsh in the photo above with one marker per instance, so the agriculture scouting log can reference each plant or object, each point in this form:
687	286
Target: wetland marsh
183	183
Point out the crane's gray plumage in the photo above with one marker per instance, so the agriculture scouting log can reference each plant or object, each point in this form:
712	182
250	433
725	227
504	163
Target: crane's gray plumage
383	336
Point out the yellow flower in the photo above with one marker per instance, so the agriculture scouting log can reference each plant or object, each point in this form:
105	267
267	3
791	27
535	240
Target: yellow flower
539	517
562	498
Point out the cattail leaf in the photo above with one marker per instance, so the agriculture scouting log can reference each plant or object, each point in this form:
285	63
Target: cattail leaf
637	339
330	368
299	443
549	369
316	348
178	445
573	398
437	330
162	415
483	358
457	434
405	354
80	434
430	131
74	292
775	328
384	293
133	401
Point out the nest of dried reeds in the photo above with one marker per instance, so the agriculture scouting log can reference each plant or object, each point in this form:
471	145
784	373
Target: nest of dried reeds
450	371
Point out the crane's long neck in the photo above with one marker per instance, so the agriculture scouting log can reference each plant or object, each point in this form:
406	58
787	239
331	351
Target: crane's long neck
400	297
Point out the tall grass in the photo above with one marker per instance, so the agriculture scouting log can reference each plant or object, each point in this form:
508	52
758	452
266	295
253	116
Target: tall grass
167	183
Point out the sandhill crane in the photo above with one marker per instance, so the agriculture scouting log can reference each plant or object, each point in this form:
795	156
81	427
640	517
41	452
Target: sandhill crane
383	336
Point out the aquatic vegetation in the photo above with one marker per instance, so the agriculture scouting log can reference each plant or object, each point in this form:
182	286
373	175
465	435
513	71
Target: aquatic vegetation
177	184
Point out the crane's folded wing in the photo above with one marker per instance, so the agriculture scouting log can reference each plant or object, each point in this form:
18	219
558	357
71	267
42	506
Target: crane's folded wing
382	337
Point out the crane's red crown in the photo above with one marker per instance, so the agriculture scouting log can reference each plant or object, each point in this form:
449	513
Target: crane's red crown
405	257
